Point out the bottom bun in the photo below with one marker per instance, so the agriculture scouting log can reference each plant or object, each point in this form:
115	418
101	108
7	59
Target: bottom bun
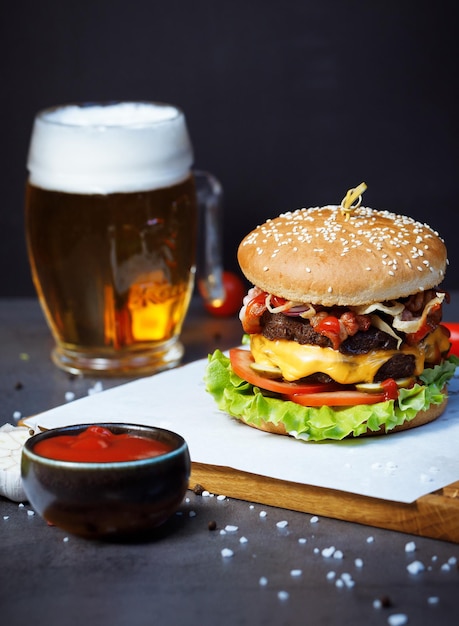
423	417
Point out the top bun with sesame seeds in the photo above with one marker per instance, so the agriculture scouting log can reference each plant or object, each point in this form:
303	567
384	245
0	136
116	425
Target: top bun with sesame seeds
343	325
324	256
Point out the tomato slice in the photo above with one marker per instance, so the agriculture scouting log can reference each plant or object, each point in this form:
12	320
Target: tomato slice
343	397
242	359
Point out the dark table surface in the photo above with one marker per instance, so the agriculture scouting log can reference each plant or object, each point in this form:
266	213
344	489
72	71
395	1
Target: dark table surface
283	569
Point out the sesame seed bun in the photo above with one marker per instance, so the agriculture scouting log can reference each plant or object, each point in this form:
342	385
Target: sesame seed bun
321	256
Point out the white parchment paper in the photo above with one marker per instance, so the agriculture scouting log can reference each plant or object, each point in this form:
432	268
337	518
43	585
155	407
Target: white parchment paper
399	467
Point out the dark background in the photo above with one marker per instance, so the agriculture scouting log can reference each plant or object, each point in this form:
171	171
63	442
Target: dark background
289	103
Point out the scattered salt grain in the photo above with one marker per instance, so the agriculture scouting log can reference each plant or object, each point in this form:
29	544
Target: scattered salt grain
21	505
282	524
446	567
223	531
283	595
243	540
221	497
30	513
416	567
347	580
5	517
397	619
331	575
96	388
327	552
263	514
410	546
17	415
69	396
263	581
65	539
370	539
296	572
231	529
192	514
302	540
391	467
338	554
433	600
358	563
227	553
205	494
452	560
314	519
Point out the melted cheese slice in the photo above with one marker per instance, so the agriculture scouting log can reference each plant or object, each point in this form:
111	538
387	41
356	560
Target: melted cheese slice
297	361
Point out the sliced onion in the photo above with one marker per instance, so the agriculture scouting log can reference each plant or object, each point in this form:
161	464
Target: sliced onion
382	325
289	307
251	294
412	326
395	308
305	311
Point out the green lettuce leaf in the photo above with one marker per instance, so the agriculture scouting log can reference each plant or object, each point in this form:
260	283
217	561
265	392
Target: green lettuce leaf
240	399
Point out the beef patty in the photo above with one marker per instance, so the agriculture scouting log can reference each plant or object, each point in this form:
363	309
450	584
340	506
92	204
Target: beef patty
280	326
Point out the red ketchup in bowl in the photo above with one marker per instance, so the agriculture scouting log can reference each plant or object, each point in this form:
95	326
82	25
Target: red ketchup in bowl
99	445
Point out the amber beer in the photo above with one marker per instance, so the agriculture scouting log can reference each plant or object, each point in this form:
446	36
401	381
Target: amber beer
111	221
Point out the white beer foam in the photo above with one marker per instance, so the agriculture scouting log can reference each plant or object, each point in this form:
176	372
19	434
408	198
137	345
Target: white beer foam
121	147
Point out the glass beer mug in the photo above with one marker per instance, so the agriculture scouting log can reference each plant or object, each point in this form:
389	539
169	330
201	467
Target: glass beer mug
112	233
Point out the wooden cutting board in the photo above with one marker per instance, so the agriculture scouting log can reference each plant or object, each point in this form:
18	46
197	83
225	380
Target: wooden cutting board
435	515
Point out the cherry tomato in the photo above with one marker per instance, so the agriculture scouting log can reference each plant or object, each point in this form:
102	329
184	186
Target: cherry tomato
453	328
345	397
240	362
234	294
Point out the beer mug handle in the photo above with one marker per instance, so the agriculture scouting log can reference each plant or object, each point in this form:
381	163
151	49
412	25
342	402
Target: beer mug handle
209	250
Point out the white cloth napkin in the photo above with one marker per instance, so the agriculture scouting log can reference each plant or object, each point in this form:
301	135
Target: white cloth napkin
12	439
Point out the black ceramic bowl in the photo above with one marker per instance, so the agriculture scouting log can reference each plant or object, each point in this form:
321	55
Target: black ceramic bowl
103	500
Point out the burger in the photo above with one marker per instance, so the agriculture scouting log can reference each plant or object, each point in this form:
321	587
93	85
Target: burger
342	325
